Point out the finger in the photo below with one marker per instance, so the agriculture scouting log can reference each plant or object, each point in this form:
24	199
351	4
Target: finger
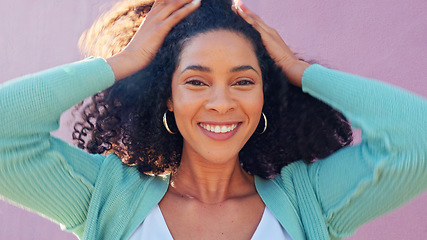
181	13
252	21
246	14
158	2
155	9
168	8
162	8
252	18
248	11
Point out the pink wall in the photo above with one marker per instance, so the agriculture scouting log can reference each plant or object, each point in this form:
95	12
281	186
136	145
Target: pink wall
386	40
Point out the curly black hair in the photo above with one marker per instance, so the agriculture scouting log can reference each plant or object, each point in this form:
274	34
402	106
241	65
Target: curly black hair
126	119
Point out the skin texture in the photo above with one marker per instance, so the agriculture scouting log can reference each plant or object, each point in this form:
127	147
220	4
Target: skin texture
217	92
165	14
300	127
218	81
210	196
148	39
276	47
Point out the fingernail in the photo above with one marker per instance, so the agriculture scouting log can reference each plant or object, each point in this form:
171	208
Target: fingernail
195	2
239	8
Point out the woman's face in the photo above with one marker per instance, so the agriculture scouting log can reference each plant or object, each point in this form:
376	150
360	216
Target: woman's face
217	95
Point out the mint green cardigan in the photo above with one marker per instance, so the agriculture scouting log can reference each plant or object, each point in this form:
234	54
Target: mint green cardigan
97	197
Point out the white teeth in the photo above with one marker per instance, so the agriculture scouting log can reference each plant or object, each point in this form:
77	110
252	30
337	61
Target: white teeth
224	129
219	128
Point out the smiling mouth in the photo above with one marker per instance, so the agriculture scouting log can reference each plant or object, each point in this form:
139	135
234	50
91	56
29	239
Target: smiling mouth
219	128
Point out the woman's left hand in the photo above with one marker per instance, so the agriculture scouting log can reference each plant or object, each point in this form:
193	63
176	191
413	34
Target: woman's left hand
276	47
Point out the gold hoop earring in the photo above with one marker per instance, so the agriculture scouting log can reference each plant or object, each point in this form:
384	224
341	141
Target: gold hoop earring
265	123
165	122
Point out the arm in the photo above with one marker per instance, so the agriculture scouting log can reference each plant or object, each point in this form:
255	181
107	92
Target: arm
42	172
387	168
36	170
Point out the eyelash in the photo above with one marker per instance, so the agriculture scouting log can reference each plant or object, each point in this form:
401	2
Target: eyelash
245	83
195	83
238	83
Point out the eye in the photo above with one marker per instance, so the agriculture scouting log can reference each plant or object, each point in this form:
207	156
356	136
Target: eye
244	82
194	82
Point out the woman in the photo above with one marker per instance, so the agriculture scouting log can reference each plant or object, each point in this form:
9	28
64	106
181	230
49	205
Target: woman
219	77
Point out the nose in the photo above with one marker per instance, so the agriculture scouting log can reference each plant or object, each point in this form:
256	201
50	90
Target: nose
220	100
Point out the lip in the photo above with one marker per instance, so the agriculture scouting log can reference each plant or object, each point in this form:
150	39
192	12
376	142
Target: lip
220	136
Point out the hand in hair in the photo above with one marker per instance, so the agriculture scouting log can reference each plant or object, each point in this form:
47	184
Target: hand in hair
163	16
276	47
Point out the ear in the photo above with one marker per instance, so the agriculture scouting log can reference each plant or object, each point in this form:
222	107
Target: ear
169	103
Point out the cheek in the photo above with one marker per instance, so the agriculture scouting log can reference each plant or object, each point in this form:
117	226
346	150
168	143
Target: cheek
253	102
256	106
185	107
183	101
259	100
253	107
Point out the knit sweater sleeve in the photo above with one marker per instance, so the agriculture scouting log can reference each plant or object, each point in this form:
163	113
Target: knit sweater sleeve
38	171
388	167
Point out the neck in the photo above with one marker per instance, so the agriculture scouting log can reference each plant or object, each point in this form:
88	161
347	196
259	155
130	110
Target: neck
210	182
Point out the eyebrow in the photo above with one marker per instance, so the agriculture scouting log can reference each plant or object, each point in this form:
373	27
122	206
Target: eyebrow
208	70
197	68
243	68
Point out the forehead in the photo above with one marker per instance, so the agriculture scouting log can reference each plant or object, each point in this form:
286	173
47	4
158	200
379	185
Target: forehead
227	36
219	45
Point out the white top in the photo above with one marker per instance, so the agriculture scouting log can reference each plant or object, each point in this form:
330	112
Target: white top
154	228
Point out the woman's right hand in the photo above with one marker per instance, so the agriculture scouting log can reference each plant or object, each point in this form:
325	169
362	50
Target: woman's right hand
163	16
